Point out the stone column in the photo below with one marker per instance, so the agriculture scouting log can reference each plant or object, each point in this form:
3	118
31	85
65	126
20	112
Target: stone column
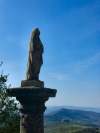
32	95
32	106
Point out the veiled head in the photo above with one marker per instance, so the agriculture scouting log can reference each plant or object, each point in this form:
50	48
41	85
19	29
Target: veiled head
35	31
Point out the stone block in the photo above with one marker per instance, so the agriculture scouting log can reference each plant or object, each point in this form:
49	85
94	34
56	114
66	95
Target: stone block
35	83
32	106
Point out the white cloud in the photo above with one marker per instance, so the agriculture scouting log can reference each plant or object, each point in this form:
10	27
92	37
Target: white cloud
11	38
22	42
88	62
60	76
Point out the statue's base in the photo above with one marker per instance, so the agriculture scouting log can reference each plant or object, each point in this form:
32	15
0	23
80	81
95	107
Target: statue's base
32	106
31	92
35	83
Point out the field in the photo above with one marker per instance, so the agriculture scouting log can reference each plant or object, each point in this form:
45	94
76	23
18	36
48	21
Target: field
68	127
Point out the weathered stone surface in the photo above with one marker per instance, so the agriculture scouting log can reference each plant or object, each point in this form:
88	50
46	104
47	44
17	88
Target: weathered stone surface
31	122
32	106
35	60
31	91
32	95
35	83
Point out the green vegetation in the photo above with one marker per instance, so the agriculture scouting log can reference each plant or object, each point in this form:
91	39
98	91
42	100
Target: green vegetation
75	116
65	127
9	118
72	121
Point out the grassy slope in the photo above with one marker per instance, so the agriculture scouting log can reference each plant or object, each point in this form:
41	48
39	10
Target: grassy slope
63	127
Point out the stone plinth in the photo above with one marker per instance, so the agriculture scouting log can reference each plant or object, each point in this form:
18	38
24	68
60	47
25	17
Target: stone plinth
35	83
32	106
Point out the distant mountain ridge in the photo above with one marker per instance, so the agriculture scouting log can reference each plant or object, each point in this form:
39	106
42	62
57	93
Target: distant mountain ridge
78	116
54	108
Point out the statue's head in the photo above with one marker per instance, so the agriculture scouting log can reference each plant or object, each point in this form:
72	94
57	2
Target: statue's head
36	31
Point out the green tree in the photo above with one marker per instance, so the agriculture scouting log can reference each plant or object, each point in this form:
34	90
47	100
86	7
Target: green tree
9	115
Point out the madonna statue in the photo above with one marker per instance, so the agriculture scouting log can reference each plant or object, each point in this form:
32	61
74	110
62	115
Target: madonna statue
35	60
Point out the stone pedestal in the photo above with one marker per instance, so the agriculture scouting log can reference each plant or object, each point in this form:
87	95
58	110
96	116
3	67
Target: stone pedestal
32	106
35	83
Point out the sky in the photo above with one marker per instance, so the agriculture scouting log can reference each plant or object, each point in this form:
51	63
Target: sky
70	33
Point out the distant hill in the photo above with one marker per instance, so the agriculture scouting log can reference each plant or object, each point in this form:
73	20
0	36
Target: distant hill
54	108
77	116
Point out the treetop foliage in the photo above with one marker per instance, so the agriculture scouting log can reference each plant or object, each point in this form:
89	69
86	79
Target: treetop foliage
9	115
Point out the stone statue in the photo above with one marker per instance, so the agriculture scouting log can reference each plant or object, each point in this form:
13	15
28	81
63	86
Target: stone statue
35	60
